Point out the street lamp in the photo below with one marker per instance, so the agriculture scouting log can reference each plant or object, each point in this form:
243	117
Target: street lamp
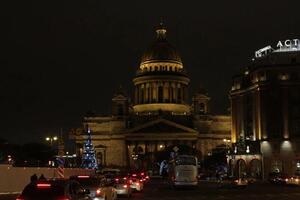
51	139
227	142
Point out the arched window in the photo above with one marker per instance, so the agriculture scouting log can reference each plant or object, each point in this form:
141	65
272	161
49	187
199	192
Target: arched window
202	108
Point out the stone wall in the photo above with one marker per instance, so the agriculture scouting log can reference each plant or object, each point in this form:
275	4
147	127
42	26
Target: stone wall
115	152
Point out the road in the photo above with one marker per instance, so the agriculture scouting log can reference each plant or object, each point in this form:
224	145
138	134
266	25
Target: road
158	189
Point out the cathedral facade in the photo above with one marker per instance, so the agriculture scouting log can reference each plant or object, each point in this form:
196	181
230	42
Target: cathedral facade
160	118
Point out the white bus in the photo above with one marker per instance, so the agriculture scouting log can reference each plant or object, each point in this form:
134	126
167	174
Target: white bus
183	171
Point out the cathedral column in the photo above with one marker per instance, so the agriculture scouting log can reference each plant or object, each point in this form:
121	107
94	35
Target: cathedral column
170	93
136	94
154	93
165	92
144	95
182	94
175	93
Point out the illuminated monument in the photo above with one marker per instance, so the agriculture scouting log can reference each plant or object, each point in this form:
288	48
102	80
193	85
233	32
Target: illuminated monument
265	105
160	118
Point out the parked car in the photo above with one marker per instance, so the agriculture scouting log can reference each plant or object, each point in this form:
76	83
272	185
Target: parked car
55	189
294	180
99	188
278	178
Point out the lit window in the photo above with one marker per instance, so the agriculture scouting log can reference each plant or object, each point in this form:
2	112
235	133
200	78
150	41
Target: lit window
283	77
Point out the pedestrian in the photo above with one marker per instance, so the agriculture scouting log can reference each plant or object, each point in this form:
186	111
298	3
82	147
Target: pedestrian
33	178
42	177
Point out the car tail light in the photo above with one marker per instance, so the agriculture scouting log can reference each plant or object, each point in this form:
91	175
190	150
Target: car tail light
133	174
116	179
142	174
147	177
83	176
98	192
43	185
141	180
125	178
20	198
63	198
125	186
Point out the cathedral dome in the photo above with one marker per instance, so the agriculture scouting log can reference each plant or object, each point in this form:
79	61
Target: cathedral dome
161	50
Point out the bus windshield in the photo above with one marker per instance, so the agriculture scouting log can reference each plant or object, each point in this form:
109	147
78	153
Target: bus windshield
185	160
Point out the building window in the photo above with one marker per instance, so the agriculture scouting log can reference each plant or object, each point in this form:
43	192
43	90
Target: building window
276	166
297	168
262	76
283	77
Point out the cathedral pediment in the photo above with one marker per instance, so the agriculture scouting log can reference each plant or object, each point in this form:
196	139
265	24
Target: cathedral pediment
119	97
162	126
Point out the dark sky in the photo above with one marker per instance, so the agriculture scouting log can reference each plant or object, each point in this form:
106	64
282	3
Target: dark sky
62	58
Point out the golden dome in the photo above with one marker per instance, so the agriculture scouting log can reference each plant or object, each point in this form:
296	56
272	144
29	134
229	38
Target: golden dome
161	50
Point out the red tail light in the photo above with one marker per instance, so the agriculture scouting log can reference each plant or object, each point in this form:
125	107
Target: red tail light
98	192
125	186
63	198
133	174
116	179
20	198
142	174
147	177
141	180
43	185
83	176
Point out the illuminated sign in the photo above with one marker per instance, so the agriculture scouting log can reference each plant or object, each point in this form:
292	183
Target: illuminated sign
288	44
282	46
262	52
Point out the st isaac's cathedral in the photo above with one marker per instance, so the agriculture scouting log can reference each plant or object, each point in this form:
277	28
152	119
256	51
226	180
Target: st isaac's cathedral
160	118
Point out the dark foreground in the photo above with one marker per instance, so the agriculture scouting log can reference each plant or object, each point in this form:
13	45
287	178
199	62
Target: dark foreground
158	189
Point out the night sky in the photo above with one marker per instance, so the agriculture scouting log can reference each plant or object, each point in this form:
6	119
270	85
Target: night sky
62	58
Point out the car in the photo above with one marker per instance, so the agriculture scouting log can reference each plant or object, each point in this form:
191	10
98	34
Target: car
294	180
278	178
122	185
112	171
136	183
144	176
98	186
54	189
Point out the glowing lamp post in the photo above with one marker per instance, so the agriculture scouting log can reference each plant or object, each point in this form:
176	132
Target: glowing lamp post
227	142
51	139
